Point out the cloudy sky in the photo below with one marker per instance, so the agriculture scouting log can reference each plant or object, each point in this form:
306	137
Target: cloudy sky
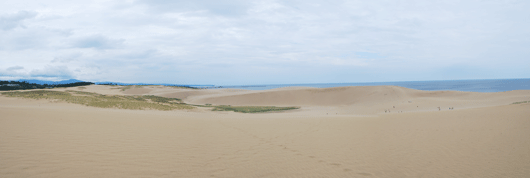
264	42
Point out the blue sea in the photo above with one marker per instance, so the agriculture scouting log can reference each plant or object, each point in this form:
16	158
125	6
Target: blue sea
490	85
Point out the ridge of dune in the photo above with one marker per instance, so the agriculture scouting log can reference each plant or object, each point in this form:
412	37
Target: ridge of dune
348	96
291	96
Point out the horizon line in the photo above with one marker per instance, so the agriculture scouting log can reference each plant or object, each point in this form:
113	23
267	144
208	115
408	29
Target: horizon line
261	85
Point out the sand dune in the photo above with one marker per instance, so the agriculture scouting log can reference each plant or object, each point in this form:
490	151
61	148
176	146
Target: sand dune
350	96
367	99
486	137
356	100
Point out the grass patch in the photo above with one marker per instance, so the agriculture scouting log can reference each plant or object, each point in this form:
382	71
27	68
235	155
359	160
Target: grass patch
250	109
521	102
133	102
105	101
125	88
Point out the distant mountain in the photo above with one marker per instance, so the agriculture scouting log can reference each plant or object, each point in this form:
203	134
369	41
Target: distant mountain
42	82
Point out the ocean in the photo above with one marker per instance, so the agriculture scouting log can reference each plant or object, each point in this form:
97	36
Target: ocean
489	85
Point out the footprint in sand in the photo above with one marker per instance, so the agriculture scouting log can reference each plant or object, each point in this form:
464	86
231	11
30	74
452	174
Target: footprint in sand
364	174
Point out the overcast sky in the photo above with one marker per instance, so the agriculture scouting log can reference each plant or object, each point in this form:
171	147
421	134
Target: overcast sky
264	42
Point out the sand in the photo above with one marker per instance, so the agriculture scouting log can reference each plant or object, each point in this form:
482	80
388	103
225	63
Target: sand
485	136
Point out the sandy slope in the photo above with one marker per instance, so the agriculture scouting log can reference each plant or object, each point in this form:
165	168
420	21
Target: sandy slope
356	100
43	139
360	100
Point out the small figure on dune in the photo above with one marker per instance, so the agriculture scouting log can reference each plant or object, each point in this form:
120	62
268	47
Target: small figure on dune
439	108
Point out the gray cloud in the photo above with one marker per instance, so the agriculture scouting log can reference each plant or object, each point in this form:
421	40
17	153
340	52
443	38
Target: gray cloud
38	38
14	68
97	42
14	20
11	73
57	72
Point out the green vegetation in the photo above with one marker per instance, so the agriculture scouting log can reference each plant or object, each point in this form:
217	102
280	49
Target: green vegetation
133	102
125	85
521	102
251	109
105	101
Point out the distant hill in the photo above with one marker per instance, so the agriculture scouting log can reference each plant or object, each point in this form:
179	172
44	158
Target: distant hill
42	82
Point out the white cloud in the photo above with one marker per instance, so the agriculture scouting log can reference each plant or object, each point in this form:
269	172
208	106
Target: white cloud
153	41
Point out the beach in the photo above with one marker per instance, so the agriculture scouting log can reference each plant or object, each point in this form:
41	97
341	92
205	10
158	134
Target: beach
363	131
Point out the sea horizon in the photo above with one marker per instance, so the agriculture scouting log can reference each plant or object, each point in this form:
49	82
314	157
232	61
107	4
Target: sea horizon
469	85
